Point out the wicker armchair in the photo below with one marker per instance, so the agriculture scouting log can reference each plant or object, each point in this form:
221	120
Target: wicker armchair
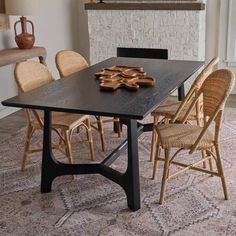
214	91
30	75
170	107
70	62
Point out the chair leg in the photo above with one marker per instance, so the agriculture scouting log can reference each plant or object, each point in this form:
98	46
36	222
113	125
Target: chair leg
220	171
68	146
210	163
60	143
90	139
30	131
203	156
154	139
68	134
158	153
100	129
118	128
199	123
165	173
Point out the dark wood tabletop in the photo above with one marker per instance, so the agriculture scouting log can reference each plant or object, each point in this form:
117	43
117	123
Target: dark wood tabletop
80	92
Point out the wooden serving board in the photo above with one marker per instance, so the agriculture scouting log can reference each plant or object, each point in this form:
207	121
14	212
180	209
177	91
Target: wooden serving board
125	71
131	78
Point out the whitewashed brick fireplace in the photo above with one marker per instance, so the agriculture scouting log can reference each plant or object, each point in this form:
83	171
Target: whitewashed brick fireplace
182	32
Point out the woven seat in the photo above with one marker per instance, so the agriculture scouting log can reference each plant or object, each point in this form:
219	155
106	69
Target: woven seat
214	93
70	62
183	136
30	75
68	120
62	119
171	108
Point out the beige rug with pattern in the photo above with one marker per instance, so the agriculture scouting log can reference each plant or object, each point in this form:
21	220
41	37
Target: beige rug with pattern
93	205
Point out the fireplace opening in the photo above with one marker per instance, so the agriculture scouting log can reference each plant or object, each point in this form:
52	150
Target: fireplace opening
152	53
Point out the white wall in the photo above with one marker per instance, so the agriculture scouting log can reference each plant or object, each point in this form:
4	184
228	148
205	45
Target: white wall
83	35
221	33
56	28
212	29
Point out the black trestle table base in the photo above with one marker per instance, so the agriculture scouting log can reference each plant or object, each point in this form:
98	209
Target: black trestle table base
129	181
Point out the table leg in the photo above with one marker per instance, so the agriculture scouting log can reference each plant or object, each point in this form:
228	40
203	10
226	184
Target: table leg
129	181
181	93
47	175
131	177
115	128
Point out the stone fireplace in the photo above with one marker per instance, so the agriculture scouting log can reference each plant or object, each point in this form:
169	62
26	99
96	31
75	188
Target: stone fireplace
178	27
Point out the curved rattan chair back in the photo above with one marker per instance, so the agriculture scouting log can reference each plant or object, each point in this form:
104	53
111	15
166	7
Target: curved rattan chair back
69	62
30	75
205	73
216	90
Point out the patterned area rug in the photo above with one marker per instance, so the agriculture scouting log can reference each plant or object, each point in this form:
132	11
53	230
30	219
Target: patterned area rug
93	205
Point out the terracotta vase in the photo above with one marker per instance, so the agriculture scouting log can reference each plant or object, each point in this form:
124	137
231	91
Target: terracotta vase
24	40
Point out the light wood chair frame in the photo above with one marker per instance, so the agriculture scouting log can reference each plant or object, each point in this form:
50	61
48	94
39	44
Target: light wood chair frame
35	122
66	70
213	107
183	105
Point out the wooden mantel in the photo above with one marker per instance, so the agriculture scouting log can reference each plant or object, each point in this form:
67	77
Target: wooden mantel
13	55
175	6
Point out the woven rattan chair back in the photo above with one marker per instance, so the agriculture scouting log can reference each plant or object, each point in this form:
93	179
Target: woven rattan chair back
205	73
216	90
30	75
70	62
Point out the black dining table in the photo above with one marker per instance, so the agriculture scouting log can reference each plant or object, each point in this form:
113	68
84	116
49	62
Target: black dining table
80	93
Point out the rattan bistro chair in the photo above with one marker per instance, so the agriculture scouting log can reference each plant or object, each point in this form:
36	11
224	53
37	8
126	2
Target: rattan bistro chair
69	62
214	91
30	75
169	108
